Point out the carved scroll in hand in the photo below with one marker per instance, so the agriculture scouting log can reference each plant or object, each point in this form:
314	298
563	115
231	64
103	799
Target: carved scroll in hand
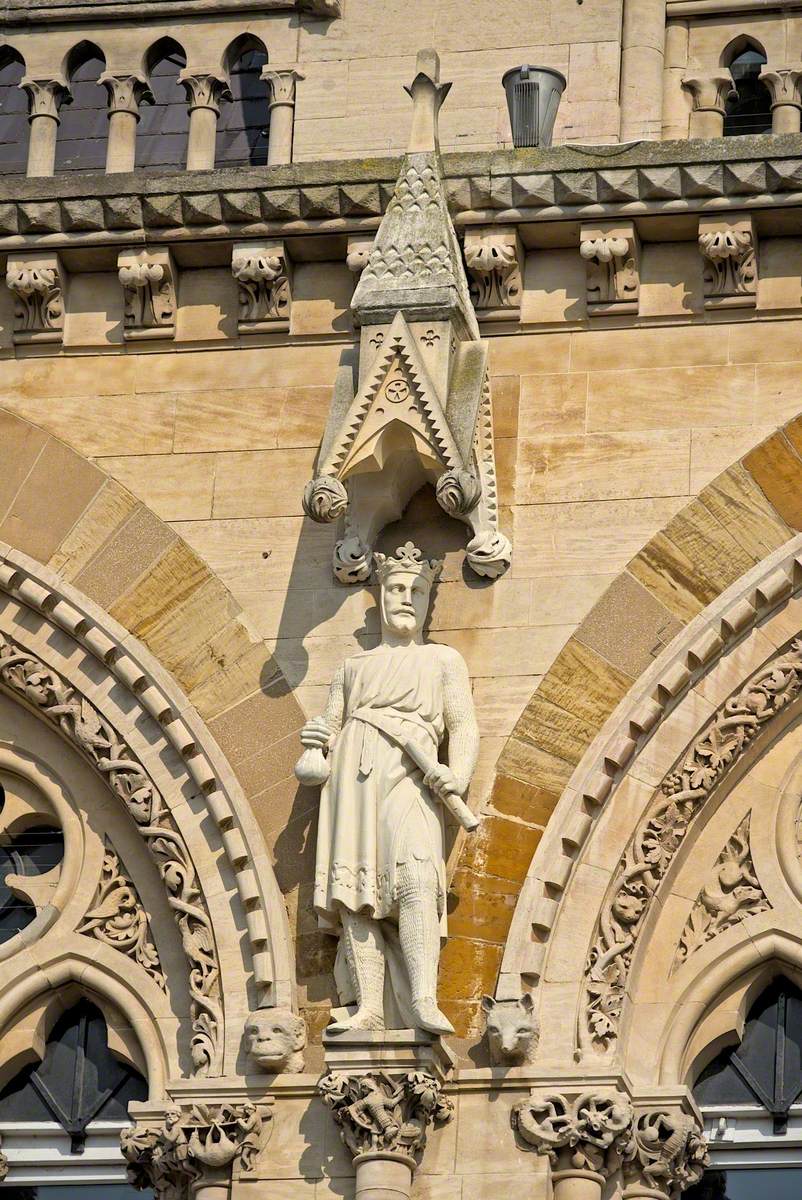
81	723
732	894
680	797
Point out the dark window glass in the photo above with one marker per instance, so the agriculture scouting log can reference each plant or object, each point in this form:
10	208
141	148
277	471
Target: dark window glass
164	125
766	1069
14	127
83	132
35	851
78	1081
776	1183
748	110
242	127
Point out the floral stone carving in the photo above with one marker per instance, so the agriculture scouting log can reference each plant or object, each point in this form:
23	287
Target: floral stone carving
380	880
586	1135
419	411
494	258
276	1038
80	723
658	837
38	284
733	894
612	254
118	919
730	253
149	288
264	274
383	1112
202	1144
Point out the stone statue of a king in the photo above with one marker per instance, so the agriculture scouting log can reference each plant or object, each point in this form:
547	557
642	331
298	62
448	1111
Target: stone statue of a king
380	873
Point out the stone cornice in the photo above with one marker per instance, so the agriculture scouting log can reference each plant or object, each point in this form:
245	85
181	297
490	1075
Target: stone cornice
345	195
35	12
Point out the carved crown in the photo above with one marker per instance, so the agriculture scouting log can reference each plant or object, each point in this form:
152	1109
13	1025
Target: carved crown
409	559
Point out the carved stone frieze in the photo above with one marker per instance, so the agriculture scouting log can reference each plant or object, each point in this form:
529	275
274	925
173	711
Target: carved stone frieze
665	1153
38	284
148	279
612	255
381	1112
512	1030
275	1039
203	1144
586	1134
118	918
263	271
494	257
733	893
729	248
659	835
77	719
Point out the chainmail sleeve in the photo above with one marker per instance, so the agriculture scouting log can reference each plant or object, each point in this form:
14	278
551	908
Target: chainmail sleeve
460	718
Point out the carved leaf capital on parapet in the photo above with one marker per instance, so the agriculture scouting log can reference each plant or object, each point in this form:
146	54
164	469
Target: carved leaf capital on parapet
37	283
783	84
586	1134
264	274
45	96
126	92
205	90
709	92
282	84
665	1153
190	1144
380	1112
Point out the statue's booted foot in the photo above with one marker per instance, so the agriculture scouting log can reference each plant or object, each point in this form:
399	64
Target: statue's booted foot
363	1019
428	1016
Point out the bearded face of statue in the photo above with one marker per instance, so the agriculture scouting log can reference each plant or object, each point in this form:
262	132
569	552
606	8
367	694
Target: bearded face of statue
404	602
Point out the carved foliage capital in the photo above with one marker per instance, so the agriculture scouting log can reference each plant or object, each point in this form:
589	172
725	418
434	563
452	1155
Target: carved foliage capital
709	92
612	255
380	1112
282	84
45	96
190	1145
494	259
38	286
729	249
126	92
666	1153
264	274
149	288
783	84
205	90
586	1134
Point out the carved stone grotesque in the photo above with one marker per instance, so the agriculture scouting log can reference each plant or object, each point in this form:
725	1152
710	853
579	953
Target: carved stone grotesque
381	1112
380	878
582	1136
191	1146
512	1030
665	1154
276	1038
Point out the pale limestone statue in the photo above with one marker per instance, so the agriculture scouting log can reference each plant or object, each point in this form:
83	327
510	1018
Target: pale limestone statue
276	1038
380	874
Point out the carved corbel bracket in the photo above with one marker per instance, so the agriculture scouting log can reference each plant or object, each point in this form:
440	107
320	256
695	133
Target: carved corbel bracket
612	255
729	246
263	271
148	280
38	282
494	258
192	1149
357	254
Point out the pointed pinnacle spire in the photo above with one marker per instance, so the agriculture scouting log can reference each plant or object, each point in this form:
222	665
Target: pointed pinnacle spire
428	94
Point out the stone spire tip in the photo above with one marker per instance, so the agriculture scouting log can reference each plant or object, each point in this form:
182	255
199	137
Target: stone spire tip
428	94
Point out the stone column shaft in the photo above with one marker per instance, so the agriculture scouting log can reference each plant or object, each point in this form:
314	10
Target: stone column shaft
642	54
45	97
282	84
204	93
125	94
784	86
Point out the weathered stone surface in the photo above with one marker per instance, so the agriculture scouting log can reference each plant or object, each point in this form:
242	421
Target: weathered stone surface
775	467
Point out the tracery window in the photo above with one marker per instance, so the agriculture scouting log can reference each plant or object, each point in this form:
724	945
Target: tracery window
751	1098
748	110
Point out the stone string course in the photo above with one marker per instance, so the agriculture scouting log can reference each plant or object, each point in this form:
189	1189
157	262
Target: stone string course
667	177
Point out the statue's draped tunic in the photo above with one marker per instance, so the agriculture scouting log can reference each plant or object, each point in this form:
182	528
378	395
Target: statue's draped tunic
375	812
